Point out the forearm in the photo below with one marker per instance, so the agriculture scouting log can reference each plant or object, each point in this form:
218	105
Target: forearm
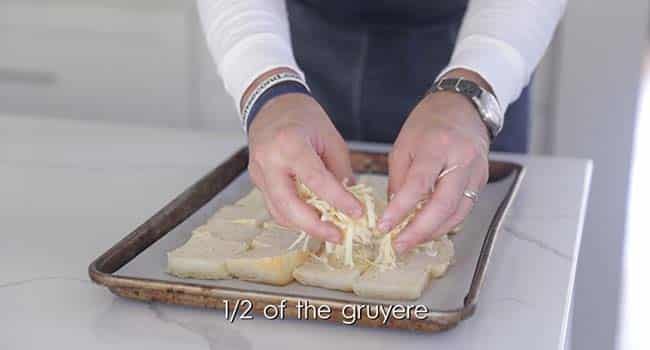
504	40
246	39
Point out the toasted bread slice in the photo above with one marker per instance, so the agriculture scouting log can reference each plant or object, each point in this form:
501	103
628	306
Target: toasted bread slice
270	260
406	282
203	256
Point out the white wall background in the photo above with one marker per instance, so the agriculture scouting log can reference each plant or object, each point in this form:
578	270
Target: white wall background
587	108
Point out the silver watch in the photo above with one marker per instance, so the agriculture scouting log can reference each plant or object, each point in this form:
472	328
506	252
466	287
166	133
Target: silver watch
486	104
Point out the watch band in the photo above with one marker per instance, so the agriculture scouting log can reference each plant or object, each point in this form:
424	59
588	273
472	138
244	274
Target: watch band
460	85
484	102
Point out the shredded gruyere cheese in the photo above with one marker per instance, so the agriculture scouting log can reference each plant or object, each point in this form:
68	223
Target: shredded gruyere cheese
304	237
386	258
362	243
357	233
428	248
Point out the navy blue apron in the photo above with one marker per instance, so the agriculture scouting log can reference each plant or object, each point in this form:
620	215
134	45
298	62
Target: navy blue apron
368	62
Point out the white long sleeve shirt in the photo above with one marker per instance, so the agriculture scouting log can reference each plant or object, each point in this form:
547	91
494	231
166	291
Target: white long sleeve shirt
501	40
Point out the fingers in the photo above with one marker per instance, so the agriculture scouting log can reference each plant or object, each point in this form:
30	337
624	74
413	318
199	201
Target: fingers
312	172
398	165
444	202
336	158
257	178
420	180
464	208
476	183
291	208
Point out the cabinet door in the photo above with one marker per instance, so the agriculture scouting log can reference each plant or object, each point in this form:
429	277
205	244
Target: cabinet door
116	62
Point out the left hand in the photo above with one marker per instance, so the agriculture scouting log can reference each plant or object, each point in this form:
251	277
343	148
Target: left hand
443	131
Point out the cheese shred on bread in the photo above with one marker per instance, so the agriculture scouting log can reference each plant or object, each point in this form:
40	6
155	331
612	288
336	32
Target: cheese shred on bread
405	282
330	274
270	260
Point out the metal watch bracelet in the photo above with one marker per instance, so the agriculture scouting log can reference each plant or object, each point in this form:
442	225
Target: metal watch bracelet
485	103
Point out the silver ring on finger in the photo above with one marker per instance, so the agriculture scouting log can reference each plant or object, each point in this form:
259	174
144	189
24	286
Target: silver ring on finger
473	195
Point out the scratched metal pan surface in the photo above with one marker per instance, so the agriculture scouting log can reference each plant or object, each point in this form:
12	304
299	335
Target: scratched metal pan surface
135	266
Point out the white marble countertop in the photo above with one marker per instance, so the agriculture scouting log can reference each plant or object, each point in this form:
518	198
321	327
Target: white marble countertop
72	189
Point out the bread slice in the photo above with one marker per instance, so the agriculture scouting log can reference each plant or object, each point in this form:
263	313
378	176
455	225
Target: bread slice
406	282
270	260
441	255
203	256
241	215
231	231
237	223
318	274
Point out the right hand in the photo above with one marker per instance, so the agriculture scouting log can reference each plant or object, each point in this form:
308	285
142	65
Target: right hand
293	138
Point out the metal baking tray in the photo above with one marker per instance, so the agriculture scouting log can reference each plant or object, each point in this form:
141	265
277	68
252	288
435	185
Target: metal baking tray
135	266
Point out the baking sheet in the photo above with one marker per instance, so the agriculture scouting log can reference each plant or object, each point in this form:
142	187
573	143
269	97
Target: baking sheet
445	294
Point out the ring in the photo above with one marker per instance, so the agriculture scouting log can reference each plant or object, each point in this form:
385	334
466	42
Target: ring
473	195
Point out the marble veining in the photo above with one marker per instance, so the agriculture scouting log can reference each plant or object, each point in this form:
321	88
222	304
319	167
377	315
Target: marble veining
41	279
536	242
212	330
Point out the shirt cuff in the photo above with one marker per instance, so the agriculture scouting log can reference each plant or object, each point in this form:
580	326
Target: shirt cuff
287	87
498	63
250	58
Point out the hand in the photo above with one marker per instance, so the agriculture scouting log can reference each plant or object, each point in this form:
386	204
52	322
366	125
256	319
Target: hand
443	131
292	137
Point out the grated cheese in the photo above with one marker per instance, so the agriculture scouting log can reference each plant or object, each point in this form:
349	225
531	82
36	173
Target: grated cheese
304	237
362	242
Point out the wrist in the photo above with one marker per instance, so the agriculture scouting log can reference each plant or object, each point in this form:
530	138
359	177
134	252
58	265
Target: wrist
458	112
288	109
269	85
477	93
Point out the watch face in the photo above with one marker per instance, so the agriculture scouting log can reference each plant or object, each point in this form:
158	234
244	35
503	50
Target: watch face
491	112
492	104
